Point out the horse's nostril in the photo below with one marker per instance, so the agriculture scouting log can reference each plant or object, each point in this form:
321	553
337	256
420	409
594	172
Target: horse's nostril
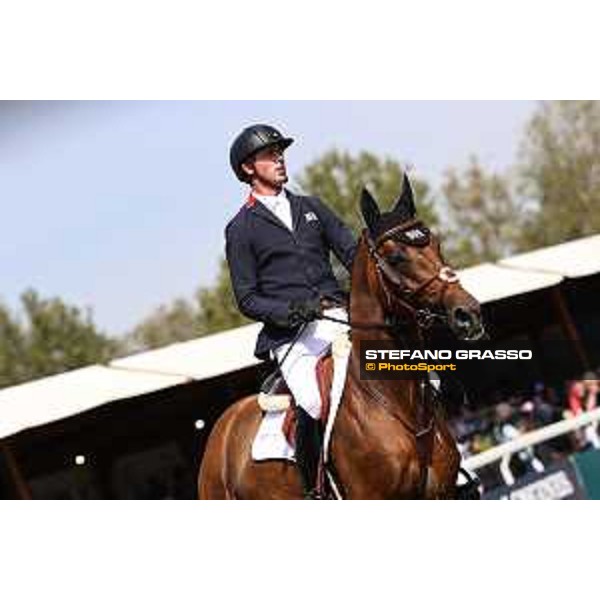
466	322
462	317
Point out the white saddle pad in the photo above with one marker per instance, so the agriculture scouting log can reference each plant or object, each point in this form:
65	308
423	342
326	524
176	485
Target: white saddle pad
270	442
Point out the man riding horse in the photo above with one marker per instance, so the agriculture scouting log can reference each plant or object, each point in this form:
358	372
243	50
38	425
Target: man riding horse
390	439
278	250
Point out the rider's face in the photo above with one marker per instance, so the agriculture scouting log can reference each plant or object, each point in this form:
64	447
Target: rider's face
268	166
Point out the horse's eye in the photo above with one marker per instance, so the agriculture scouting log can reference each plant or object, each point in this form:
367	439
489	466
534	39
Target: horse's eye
396	258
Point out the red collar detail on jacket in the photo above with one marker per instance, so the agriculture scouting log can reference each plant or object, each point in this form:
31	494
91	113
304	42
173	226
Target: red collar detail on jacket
251	201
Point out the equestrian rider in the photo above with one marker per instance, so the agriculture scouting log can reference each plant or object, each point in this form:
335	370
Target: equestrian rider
278	250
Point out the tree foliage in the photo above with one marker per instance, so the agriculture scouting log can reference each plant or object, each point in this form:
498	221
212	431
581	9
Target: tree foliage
51	337
212	309
177	321
484	219
338	178
560	171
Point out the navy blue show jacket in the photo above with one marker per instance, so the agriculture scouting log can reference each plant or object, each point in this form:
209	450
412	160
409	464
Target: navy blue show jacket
271	266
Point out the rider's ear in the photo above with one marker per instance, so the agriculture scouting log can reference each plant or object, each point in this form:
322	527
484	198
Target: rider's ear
369	209
248	168
405	205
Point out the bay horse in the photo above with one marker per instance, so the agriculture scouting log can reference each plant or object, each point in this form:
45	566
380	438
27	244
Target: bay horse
390	439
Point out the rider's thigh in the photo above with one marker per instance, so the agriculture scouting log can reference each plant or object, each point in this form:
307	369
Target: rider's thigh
300	376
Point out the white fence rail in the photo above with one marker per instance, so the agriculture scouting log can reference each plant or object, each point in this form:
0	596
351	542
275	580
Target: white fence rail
530	439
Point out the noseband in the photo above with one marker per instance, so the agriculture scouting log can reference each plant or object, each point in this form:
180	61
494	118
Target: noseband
423	317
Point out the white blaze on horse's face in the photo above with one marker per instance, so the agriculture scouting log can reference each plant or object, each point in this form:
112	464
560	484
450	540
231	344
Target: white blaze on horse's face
447	274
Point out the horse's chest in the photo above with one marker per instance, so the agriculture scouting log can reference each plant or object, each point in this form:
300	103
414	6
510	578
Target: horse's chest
379	458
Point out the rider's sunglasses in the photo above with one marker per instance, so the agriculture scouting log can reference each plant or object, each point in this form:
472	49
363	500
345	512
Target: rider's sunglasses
274	153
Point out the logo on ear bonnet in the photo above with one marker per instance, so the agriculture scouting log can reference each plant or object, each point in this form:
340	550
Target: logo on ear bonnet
417	235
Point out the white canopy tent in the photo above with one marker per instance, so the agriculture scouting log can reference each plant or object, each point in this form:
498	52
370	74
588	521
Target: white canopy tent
202	358
489	282
575	259
59	396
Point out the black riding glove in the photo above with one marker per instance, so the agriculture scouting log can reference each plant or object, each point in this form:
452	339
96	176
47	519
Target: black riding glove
303	311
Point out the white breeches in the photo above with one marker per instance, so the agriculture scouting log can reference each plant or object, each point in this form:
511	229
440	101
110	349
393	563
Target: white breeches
299	368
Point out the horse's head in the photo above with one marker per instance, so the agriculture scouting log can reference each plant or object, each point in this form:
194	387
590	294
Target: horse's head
414	281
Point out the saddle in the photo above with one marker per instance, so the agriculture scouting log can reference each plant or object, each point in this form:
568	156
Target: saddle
276	396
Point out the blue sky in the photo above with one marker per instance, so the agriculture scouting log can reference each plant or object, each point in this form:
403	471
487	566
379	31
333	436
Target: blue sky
120	206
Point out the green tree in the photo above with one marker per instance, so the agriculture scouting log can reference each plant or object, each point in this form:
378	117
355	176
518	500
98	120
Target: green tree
52	337
12	349
338	178
175	322
560	171
484	219
212	309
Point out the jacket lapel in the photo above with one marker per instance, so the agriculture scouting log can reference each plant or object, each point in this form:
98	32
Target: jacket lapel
296	208
261	210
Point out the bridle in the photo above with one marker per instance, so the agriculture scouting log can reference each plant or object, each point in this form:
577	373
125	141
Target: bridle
404	295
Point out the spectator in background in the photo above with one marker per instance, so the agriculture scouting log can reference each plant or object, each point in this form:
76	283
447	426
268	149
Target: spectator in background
509	428
590	386
582	397
574	399
546	405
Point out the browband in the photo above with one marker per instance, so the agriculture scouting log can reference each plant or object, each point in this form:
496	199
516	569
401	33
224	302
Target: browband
413	233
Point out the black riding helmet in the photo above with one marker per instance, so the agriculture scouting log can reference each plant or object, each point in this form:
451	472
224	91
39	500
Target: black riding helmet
252	140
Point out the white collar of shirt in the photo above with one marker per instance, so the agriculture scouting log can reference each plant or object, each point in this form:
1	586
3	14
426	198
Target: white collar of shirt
279	205
271	201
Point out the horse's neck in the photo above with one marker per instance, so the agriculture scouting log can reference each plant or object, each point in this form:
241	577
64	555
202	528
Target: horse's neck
366	307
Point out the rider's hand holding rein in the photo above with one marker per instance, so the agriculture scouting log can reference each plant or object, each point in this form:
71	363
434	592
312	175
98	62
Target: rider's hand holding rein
304	311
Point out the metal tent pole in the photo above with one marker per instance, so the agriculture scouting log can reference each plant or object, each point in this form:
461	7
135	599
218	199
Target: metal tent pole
568	326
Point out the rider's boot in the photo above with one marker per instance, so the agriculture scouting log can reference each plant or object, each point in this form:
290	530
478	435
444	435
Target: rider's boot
470	489
309	441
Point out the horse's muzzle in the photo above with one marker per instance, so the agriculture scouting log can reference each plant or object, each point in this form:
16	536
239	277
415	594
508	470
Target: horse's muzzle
467	324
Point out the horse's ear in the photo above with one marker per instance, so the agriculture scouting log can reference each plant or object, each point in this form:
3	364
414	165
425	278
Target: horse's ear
405	205
370	210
